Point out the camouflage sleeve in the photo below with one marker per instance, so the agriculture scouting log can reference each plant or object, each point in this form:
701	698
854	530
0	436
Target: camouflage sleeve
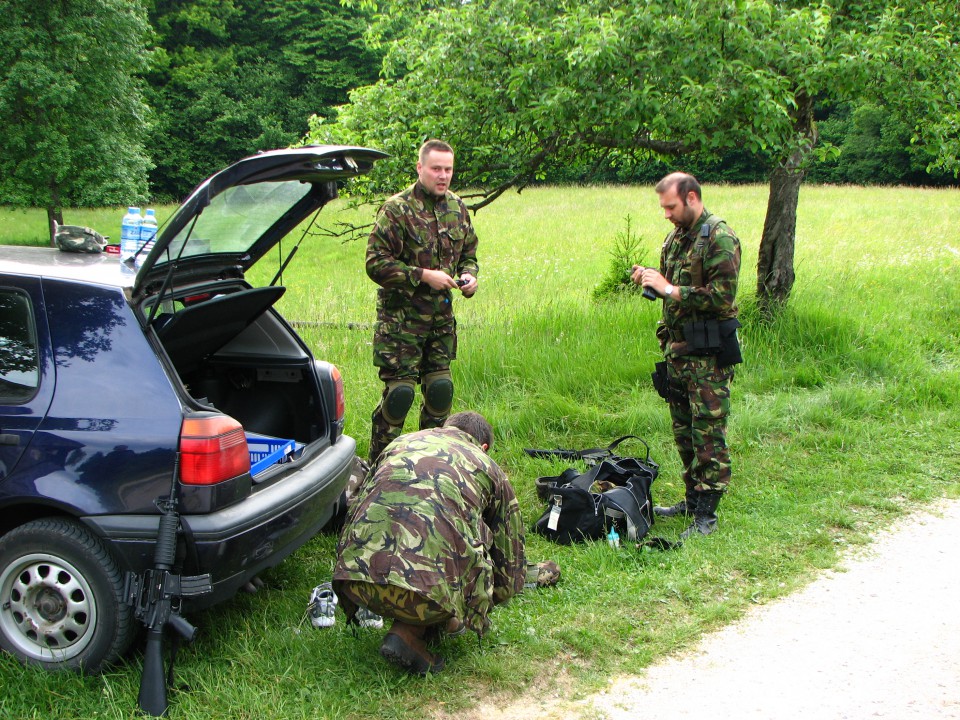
468	254
507	554
721	271
385	251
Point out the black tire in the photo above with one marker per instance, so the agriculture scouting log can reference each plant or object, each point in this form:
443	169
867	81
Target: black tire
61	598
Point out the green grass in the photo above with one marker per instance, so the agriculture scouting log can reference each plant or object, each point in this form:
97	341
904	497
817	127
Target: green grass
844	419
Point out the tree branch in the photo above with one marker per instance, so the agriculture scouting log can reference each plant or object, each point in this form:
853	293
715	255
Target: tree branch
519	179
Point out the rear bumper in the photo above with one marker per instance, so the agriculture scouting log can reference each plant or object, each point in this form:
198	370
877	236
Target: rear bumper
236	543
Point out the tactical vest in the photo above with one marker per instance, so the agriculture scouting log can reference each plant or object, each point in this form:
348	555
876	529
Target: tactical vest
707	232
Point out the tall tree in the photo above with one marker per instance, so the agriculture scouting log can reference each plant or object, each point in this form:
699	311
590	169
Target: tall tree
235	76
71	104
519	84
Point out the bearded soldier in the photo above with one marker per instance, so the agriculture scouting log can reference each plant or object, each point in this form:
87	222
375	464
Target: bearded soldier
421	249
699	269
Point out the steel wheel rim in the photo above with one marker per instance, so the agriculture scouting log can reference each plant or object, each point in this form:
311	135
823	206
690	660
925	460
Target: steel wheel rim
47	609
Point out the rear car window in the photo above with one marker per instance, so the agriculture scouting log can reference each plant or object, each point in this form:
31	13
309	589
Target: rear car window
237	217
19	372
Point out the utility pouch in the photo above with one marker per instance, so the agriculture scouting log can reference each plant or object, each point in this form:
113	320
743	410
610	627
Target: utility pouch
702	336
661	380
729	343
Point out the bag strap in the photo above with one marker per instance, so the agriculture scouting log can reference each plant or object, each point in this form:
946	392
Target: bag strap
612	446
626	505
585	481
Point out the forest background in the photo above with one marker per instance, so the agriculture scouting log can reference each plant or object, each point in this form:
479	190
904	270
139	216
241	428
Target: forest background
142	100
109	102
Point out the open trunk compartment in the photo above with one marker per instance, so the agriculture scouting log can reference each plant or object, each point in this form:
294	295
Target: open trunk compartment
231	352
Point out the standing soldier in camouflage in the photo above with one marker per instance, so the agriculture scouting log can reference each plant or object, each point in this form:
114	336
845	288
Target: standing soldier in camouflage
699	268
422	247
434	540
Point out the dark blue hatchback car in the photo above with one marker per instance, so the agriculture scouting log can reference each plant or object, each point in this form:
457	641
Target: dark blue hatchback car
126	388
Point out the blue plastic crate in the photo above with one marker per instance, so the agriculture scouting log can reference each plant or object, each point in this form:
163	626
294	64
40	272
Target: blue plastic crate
266	451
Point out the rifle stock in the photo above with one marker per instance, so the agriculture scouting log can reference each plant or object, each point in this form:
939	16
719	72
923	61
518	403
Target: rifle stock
153	684
155	596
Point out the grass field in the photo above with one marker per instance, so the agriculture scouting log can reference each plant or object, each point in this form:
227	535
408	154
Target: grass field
844	418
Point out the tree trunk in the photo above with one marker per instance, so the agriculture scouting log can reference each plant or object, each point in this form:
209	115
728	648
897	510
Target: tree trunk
775	262
54	212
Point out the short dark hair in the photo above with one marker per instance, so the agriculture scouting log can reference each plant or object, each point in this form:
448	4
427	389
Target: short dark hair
474	424
683	182
431	145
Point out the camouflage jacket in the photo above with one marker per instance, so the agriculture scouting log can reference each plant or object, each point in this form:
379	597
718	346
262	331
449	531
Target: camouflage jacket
705	271
415	231
439	517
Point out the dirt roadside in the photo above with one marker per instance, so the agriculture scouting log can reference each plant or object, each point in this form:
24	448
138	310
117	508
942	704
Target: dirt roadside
877	638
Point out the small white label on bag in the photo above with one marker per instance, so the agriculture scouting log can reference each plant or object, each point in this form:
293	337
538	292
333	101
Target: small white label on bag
554	518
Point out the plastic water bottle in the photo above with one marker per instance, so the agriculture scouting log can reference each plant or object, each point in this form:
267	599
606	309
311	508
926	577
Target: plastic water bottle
613	537
148	231
130	233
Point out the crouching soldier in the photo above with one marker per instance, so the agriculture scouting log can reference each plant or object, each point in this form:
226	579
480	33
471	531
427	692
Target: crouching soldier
434	540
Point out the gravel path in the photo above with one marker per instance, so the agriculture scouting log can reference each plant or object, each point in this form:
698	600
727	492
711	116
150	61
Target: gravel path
877	638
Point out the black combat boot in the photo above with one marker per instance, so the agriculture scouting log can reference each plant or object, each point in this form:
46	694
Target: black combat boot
684	508
704	514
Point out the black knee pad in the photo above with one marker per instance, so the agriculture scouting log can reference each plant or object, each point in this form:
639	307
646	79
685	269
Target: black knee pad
397	401
438	393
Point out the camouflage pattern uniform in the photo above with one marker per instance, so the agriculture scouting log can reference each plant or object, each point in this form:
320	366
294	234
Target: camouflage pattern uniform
705	274
416	333
79	239
434	534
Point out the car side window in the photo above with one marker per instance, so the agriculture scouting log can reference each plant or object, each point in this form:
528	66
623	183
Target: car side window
19	371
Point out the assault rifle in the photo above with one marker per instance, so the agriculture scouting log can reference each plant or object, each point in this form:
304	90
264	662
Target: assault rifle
155	596
591	456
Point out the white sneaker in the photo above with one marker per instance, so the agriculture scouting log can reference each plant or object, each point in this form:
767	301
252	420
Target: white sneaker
323	606
368	619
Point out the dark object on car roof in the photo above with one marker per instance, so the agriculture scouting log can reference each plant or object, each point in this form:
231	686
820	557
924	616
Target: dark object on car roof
79	239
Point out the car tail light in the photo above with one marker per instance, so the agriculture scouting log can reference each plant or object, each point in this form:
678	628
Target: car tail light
213	448
339	401
331	392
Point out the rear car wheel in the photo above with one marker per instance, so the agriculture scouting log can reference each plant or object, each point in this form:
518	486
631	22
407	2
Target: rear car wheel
61	597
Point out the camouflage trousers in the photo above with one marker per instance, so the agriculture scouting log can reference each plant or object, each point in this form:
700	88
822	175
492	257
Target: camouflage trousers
389	601
699	407
411	343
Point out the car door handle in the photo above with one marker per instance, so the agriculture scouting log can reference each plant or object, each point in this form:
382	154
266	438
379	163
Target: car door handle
9	439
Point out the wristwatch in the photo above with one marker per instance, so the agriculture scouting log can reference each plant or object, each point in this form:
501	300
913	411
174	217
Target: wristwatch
668	291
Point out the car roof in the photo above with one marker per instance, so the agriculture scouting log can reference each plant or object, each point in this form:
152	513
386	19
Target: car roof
47	262
312	165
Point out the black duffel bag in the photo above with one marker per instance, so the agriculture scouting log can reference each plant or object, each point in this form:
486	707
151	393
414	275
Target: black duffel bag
615	492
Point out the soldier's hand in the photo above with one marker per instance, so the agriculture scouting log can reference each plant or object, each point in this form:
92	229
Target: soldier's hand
637	273
468	284
652	279
437	279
